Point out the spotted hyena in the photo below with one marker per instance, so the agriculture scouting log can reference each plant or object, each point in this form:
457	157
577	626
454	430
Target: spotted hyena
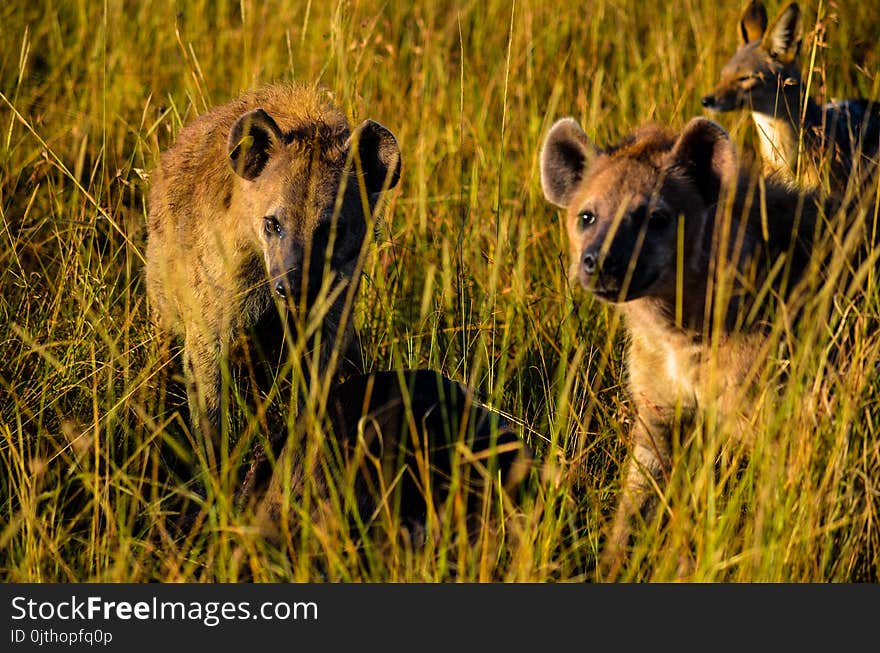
258	215
700	258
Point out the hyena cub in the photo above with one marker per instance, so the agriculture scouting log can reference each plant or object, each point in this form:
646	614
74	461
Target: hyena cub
669	228
257	220
763	76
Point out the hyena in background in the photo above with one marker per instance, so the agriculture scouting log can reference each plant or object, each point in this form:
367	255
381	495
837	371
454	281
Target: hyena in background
257	219
669	228
763	76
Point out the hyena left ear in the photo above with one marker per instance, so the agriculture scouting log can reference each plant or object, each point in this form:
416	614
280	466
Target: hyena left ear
251	140
565	155
783	39
705	153
379	155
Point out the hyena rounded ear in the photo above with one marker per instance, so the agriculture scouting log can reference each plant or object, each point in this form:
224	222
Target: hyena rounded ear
705	153
250	143
783	38
564	158
379	155
752	23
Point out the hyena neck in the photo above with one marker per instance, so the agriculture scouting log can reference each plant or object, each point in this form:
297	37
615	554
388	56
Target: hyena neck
662	316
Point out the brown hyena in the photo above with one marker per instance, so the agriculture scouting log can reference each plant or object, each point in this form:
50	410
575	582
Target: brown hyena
258	215
700	257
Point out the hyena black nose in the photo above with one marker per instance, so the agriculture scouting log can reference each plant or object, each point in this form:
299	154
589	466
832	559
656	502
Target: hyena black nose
708	100
590	263
280	288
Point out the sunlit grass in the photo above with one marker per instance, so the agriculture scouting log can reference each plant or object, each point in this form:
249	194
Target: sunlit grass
469	277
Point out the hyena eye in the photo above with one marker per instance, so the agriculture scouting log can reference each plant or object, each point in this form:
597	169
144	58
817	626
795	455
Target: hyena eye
272	226
585	219
745	78
325	229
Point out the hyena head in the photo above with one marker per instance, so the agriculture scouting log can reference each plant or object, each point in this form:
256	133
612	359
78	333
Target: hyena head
308	195
632	209
763	72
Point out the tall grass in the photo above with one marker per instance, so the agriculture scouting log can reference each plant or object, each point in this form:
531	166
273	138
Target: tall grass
469	277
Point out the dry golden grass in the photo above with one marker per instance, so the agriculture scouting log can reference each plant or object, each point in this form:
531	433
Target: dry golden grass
469	277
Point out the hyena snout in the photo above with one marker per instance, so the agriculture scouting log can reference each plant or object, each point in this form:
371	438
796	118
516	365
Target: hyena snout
285	273
600	271
598	264
708	101
590	262
282	285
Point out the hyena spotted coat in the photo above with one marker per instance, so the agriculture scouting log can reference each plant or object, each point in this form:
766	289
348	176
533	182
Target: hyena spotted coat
672	231
257	218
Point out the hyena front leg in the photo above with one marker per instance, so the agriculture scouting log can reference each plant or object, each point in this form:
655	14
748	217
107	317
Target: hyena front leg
164	361
203	389
644	473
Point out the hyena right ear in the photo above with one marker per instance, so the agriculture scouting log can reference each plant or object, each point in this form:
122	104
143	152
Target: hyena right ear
379	155
251	140
752	23
564	158
705	154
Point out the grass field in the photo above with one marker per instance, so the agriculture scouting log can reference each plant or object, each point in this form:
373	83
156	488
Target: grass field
469	277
